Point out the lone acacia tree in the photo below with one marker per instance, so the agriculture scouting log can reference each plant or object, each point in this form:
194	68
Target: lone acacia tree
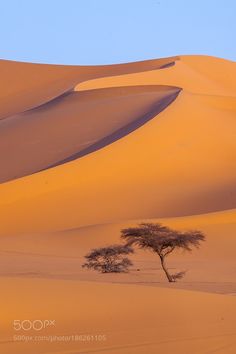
109	259
163	241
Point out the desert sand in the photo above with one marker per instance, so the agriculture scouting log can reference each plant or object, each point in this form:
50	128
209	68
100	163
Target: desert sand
87	151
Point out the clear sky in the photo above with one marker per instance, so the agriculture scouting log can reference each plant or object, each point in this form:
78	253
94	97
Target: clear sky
113	31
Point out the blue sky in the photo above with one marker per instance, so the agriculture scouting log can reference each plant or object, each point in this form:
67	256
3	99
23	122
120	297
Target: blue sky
114	31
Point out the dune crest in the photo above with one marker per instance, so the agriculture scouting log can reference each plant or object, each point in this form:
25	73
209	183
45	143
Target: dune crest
29	85
180	162
75	124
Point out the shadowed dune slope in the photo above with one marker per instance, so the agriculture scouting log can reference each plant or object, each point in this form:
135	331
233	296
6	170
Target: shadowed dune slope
180	162
75	124
26	85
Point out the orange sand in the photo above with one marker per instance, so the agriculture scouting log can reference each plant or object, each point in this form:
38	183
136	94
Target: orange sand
86	151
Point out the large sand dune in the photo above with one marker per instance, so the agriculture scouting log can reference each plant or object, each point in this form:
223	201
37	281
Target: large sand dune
88	150
75	124
30	85
180	162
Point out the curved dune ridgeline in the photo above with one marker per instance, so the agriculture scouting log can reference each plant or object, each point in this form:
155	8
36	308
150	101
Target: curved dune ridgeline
194	73
138	149
75	124
26	85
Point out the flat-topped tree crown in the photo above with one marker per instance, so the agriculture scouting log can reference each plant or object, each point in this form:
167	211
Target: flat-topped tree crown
162	240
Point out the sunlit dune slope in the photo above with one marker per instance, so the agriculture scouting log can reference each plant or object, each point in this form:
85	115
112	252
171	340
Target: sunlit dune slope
197	74
180	162
77	241
25	85
75	124
132	319
60	255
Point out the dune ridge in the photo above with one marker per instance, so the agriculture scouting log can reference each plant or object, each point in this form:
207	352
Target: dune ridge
181	141
196	74
31	85
142	184
60	130
88	150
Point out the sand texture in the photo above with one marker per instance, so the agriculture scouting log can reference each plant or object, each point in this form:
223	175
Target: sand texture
86	151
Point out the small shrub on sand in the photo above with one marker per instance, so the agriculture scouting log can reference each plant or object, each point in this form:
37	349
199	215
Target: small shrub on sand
109	259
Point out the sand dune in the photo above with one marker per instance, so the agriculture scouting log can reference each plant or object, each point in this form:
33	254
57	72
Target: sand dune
88	150
59	255
197	74
136	314
131	319
75	124
181	162
25	85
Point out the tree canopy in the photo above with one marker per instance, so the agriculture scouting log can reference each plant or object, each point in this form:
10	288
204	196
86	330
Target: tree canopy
109	259
162	240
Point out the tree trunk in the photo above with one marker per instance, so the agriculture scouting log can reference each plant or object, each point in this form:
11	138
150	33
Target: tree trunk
169	277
